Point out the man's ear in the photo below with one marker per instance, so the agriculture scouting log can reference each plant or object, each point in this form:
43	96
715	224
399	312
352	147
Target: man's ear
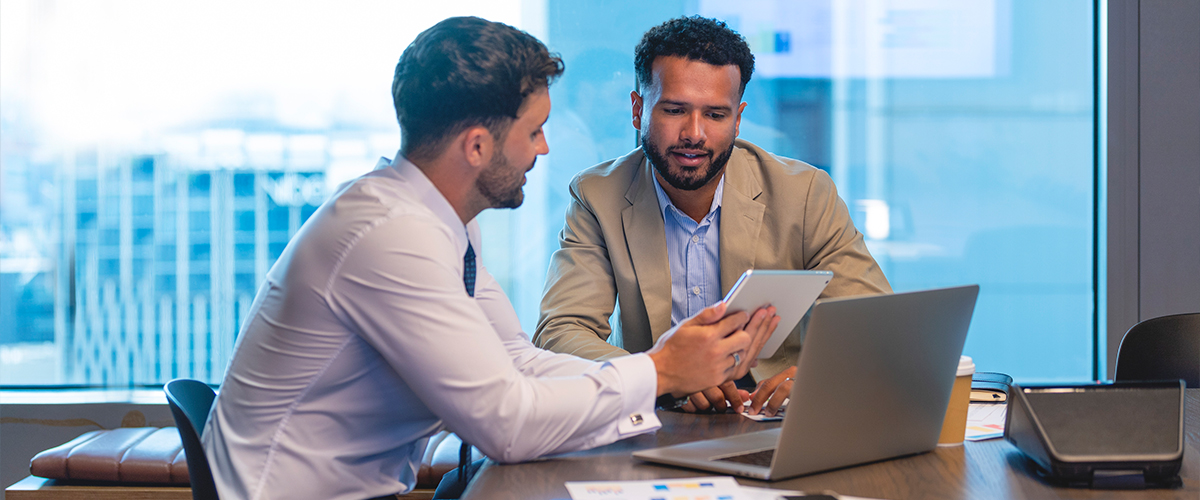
737	124
477	146
636	101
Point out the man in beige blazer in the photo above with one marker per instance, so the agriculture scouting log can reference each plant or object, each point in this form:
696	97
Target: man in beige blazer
773	213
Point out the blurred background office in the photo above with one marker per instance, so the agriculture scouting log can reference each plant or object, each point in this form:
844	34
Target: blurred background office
155	157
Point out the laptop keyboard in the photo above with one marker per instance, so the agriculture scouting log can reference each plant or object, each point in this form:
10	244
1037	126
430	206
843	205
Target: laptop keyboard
760	458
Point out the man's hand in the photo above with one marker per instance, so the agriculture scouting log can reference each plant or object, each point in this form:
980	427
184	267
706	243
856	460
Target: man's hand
709	349
768	397
718	398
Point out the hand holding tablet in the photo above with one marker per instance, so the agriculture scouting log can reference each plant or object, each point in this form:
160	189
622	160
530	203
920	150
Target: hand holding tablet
791	292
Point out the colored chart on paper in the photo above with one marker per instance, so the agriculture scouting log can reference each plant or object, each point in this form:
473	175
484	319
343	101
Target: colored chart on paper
985	421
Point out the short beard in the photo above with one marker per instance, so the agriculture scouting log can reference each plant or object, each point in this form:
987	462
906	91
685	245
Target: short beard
491	184
715	166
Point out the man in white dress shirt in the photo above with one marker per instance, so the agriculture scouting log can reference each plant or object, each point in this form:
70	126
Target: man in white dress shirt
378	326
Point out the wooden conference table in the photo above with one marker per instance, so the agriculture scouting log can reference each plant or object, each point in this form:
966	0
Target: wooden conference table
976	470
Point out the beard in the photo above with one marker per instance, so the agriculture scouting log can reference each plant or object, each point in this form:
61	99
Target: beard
501	184
685	179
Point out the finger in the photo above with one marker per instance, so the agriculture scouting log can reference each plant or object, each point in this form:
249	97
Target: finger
733	395
738	342
708	315
761	395
768	387
768	331
777	399
757	344
769	327
757	320
754	331
716	398
699	401
688	407
736	366
730	323
744	367
760	327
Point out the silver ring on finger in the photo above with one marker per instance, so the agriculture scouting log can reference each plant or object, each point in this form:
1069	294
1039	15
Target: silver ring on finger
737	359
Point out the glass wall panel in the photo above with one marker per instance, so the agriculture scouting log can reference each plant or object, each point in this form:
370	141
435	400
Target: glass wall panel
156	157
960	134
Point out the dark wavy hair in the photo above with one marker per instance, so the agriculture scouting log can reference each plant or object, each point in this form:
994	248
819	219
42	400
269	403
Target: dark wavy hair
695	38
465	72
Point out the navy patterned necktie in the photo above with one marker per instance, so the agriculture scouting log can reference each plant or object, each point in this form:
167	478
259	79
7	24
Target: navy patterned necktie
464	451
469	270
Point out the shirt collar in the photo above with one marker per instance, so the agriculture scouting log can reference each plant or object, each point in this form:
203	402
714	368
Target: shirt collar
432	199
664	201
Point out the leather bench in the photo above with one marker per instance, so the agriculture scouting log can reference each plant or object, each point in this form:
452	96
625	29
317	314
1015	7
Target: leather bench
126	455
153	457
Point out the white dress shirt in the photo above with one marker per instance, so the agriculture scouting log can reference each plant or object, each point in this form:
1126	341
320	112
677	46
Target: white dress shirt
362	342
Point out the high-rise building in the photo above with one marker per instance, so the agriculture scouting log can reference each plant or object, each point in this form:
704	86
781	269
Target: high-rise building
166	250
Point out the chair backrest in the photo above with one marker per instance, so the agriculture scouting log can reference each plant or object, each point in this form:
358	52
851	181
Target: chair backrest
190	401
1167	347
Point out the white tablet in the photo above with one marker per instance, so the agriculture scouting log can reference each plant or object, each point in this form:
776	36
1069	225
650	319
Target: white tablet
791	292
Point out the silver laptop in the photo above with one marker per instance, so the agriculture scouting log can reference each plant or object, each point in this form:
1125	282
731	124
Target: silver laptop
872	383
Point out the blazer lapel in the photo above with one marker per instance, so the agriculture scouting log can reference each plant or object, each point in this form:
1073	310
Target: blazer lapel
741	218
647	241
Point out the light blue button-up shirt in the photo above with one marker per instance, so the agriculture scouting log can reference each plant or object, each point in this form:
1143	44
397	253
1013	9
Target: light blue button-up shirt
693	250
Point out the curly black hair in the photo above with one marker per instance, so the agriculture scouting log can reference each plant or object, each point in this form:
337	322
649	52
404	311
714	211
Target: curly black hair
464	72
696	38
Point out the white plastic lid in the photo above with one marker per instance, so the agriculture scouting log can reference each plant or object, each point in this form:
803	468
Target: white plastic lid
965	366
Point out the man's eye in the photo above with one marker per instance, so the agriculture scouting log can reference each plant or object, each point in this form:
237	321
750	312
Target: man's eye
673	111
717	116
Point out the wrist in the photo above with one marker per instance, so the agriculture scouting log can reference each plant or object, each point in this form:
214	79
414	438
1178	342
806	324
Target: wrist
664	386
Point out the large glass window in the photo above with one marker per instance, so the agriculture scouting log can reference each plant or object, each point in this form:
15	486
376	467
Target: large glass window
156	157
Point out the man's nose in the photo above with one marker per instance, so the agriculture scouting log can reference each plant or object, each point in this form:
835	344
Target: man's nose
693	129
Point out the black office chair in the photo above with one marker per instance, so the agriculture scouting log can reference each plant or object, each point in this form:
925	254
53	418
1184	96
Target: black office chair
1167	347
190	401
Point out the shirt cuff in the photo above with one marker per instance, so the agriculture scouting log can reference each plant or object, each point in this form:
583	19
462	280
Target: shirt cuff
639	386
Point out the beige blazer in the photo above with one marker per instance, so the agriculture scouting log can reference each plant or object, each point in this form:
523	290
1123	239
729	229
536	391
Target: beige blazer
776	213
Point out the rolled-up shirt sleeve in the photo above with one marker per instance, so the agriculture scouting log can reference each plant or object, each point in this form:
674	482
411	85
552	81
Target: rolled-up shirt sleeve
400	288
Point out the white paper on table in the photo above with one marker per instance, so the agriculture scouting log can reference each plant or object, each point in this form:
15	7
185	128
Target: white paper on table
763	418
985	421
693	488
756	493
687	488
